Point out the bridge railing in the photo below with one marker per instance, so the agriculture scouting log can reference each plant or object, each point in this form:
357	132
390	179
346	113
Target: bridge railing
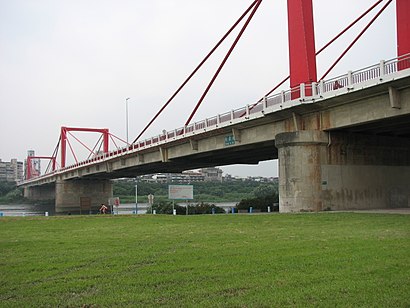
377	71
300	93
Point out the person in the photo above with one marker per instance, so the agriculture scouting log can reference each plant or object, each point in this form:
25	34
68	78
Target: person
337	85
103	209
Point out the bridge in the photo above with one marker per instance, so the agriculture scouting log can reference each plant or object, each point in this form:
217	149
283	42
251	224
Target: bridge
342	143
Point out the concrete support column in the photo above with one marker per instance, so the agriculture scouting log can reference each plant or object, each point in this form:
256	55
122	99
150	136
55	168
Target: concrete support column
82	196
301	154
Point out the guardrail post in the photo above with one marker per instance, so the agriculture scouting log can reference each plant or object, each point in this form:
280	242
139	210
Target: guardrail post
265	103
382	69
206	123
302	88
349	78
322	87
314	88
218	119
247	110
232	114
282	96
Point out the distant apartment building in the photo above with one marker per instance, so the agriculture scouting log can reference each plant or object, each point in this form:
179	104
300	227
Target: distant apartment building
11	171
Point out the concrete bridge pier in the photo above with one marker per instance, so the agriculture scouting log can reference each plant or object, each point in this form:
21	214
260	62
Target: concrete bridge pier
339	171
301	155
81	196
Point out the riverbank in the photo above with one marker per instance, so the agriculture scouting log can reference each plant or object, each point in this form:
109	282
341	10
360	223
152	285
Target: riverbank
323	259
122	209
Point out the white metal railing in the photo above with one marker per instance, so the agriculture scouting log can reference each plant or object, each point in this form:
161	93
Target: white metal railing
298	94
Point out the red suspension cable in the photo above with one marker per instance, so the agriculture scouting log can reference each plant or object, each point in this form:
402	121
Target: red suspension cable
82	143
55	153
356	39
72	151
99	141
113	141
224	61
197	68
349	26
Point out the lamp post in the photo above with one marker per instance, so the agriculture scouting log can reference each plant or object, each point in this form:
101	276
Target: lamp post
126	117
136	195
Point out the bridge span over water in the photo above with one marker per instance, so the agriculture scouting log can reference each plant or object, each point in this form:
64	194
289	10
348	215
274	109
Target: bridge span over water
342	143
347	145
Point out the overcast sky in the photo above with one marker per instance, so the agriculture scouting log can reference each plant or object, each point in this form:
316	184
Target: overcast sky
74	62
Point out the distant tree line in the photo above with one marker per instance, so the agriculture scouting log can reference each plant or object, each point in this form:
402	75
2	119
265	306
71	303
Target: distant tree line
10	193
248	193
127	188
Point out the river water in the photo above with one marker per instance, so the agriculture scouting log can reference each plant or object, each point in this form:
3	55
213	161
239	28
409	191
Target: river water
122	209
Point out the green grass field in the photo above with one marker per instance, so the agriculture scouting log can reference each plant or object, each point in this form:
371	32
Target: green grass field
276	260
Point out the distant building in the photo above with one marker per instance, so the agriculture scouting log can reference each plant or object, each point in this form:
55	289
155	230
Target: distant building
35	166
11	171
190	176
261	179
212	174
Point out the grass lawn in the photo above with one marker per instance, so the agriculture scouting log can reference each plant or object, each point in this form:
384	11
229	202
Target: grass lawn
325	260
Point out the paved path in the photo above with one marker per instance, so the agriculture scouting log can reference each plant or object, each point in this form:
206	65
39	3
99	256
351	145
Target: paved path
384	211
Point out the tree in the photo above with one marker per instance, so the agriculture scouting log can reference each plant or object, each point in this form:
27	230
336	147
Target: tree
265	195
266	190
6	187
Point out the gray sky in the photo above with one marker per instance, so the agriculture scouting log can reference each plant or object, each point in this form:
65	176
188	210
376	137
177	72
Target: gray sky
73	63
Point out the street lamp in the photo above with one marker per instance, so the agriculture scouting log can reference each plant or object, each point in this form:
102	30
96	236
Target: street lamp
136	195
126	117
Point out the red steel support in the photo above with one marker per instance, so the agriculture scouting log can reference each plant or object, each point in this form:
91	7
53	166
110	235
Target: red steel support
29	165
63	137
302	55
403	30
64	130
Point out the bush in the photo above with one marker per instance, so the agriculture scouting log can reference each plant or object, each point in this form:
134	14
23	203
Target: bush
165	207
205	208
258	204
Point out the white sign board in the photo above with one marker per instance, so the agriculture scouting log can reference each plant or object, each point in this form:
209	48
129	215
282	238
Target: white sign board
181	192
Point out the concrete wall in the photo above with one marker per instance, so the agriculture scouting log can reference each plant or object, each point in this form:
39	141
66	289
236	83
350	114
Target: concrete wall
365	187
337	171
82	196
366	172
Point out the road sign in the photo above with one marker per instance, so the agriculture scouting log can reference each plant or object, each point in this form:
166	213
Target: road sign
181	192
229	140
